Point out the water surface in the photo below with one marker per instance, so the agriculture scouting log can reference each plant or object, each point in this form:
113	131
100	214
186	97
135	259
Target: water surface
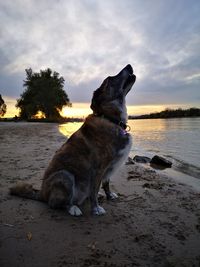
176	139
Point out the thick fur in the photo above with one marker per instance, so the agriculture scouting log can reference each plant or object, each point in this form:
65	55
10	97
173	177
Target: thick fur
26	190
91	154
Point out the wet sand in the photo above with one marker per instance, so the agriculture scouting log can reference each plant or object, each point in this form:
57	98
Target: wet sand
155	221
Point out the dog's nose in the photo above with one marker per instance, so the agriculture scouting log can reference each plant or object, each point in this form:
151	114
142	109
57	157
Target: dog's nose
129	69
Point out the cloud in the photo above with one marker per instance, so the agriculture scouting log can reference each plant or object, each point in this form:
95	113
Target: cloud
86	40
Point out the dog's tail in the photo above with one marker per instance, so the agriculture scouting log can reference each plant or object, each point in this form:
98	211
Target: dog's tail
26	191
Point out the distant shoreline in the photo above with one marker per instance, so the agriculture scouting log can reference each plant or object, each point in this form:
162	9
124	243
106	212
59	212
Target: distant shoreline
142	117
82	120
170	113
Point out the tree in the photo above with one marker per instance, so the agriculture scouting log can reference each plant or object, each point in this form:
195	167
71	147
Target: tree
3	107
43	92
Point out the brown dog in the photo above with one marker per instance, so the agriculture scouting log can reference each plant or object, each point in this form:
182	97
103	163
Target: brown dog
91	154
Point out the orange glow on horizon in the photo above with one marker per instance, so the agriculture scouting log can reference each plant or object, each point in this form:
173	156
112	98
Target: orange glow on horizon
78	110
11	111
81	110
145	109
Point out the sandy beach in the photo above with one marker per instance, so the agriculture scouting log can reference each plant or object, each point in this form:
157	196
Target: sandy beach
155	221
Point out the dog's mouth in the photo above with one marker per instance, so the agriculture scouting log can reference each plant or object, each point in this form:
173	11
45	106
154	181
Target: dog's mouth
130	79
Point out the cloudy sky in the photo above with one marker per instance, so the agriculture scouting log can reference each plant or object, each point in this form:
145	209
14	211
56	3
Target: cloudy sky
87	40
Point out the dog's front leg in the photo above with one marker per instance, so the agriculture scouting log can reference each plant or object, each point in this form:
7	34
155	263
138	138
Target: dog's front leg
106	187
95	207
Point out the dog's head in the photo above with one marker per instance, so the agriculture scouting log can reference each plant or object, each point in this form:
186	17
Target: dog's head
109	98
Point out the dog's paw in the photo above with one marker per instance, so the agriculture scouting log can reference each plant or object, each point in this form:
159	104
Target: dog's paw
98	210
74	211
112	196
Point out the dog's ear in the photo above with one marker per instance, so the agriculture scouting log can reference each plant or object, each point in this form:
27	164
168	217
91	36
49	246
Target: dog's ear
96	100
99	96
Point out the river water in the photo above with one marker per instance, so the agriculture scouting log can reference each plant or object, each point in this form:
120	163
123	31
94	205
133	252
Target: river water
176	139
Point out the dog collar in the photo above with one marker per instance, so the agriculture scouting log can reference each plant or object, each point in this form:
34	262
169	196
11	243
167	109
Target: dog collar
125	127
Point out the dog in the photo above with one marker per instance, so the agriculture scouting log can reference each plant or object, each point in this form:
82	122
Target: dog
91	155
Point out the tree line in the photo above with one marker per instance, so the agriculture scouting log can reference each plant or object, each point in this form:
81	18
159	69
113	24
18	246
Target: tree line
170	113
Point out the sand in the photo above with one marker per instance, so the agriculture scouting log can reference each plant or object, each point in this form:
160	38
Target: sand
155	221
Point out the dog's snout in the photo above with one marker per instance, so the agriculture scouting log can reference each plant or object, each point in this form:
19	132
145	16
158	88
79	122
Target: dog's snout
129	69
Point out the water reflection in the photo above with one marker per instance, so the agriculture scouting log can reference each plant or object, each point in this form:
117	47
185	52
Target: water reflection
148	130
69	128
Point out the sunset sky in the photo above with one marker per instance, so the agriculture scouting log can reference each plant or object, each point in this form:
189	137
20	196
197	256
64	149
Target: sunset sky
87	40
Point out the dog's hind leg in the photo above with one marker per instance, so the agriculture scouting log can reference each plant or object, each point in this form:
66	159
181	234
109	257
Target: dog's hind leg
61	193
57	197
74	210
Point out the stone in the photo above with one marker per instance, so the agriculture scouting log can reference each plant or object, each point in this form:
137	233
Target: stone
158	160
141	159
129	161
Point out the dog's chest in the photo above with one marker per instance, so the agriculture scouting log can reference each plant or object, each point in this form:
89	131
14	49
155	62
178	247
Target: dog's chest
122	152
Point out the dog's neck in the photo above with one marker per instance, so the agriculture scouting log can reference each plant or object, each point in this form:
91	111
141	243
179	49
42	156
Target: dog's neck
118	122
